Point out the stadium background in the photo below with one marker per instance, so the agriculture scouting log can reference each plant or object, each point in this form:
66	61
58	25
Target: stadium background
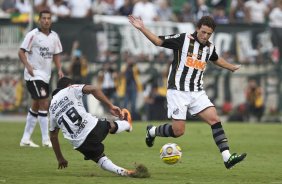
104	38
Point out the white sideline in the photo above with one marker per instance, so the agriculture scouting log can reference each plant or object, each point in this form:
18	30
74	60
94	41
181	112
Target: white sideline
12	118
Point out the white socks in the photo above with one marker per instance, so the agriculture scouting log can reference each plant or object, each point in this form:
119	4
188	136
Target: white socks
31	120
106	164
152	131
29	126
225	155
122	126
43	122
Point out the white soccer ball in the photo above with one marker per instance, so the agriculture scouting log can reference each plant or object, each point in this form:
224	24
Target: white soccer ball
170	153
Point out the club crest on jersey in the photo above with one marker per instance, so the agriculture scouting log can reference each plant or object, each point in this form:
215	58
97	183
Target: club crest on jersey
200	52
208	50
176	111
195	63
43	92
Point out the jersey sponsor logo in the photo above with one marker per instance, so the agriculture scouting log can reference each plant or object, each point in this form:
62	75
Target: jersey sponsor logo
64	108
195	63
59	104
174	36
44	52
80	126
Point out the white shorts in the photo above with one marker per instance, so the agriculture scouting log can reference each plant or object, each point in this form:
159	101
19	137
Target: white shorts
179	102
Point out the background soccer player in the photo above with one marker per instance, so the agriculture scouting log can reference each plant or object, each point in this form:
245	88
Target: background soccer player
39	48
185	83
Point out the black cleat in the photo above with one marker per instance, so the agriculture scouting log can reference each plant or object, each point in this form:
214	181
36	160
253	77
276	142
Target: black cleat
149	139
234	159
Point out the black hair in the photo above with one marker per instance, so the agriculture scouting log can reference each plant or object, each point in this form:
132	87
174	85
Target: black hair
43	11
64	82
206	21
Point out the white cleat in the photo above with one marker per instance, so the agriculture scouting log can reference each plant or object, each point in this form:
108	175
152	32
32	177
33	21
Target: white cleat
29	143
47	144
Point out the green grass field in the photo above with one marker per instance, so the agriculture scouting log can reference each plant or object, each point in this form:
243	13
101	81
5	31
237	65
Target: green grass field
201	161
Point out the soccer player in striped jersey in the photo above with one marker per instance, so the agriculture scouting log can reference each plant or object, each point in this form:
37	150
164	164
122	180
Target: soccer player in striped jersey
40	47
85	131
185	84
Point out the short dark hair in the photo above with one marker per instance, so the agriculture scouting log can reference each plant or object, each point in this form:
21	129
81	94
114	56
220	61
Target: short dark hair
206	21
43	11
64	82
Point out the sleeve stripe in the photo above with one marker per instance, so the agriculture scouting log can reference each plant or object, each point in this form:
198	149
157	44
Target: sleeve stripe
29	43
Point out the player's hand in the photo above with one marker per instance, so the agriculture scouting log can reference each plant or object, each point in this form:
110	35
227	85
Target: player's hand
30	70
235	67
60	73
62	163
115	111
136	21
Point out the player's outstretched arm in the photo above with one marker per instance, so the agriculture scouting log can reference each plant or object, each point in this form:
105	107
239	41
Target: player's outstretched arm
224	64
62	162
99	95
138	24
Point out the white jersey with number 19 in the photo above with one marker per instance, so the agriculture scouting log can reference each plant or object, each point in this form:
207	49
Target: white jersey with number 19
68	113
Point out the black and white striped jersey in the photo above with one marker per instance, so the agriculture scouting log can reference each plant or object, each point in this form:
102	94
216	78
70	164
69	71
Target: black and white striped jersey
190	60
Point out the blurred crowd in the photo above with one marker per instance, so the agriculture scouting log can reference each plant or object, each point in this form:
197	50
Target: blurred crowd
123	83
223	11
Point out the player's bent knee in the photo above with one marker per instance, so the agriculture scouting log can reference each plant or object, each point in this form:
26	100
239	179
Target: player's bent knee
178	129
178	133
213	121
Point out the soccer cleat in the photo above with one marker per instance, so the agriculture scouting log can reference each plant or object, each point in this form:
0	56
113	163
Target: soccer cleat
29	143
130	173
234	159
141	171
47	144
149	139
127	117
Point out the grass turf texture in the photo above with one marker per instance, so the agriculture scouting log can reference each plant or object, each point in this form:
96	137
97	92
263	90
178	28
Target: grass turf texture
201	161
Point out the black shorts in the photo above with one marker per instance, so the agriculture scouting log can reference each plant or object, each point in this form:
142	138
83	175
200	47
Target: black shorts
92	148
38	89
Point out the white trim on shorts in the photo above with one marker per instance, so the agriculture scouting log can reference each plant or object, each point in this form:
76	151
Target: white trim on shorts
181	102
35	86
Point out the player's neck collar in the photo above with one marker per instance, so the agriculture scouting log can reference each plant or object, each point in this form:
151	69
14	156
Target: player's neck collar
196	38
42	31
56	91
